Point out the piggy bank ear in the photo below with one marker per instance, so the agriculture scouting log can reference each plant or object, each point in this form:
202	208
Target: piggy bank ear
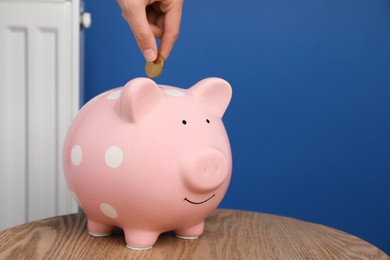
214	93
138	97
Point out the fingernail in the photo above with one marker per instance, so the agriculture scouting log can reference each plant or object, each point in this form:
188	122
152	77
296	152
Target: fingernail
149	55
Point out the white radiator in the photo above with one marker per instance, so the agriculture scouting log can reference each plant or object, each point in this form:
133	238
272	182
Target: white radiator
39	96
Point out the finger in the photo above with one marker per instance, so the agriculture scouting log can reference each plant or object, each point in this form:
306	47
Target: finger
136	18
171	30
156	30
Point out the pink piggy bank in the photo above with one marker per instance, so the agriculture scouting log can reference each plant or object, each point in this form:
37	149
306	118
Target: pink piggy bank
150	158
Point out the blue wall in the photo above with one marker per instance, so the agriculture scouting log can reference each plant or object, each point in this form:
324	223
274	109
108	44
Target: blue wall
310	117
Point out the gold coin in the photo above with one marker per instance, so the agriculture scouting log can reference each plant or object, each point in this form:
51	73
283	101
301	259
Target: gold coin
153	69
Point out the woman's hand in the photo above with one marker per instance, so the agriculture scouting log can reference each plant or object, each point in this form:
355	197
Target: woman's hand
151	19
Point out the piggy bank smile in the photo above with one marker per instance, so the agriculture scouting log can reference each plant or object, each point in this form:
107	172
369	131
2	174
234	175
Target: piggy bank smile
198	203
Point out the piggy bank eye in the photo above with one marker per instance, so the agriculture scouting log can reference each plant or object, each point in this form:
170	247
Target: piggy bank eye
184	122
208	121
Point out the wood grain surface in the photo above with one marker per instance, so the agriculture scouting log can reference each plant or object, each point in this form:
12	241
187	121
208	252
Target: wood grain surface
229	234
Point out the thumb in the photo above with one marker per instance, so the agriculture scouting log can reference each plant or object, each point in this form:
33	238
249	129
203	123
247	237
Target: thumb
143	34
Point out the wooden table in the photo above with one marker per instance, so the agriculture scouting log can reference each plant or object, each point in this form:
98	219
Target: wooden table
229	234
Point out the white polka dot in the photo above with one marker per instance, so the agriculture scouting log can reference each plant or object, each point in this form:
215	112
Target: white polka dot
113	156
174	92
76	155
114	95
77	199
108	210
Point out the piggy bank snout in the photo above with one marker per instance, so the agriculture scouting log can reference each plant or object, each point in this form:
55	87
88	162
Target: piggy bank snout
205	170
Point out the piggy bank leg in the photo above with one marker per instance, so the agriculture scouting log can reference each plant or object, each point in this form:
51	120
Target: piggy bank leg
190	233
140	239
97	229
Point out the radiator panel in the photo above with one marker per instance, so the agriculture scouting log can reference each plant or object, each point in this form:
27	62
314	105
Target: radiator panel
39	96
